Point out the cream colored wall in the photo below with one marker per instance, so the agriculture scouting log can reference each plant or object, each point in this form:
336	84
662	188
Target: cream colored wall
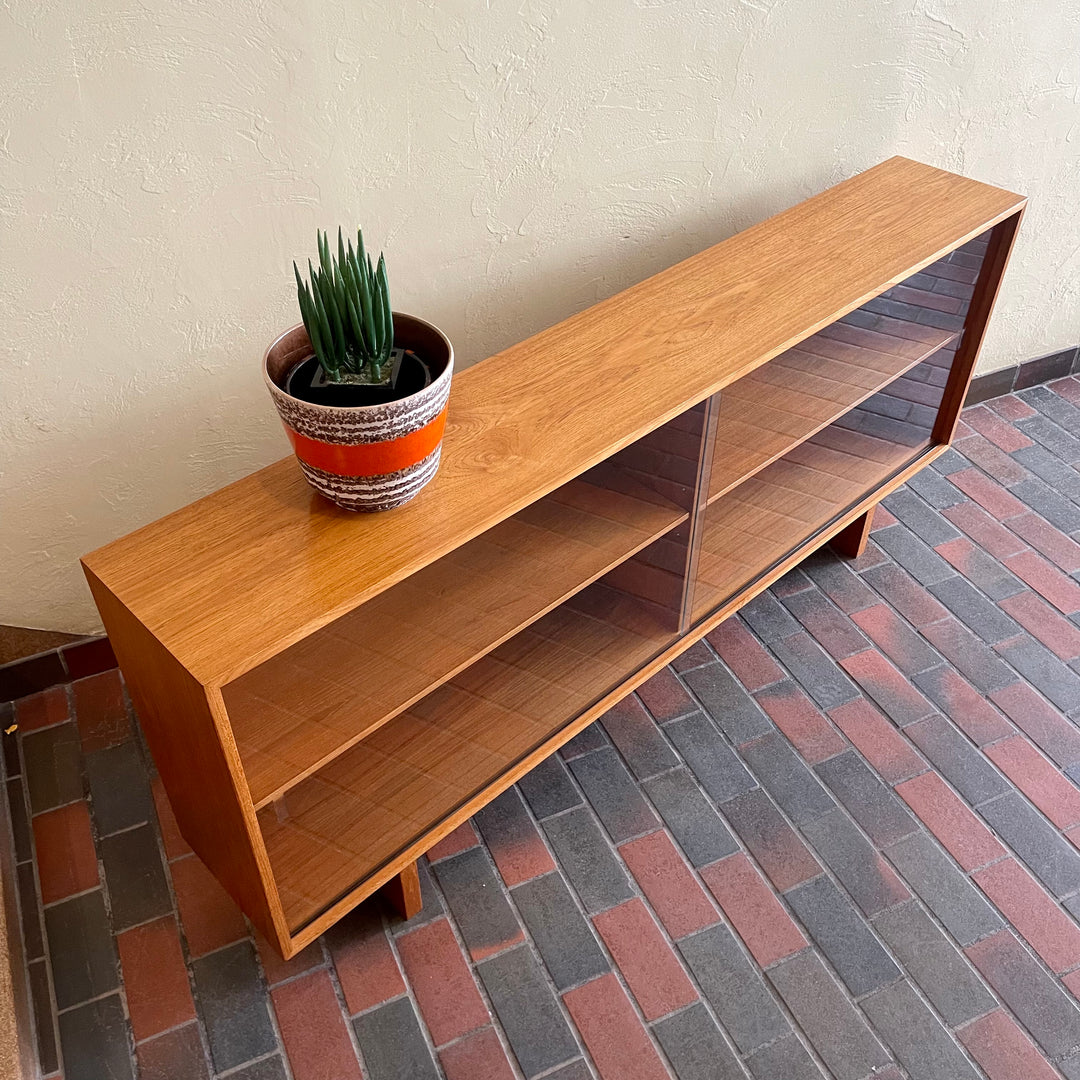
161	163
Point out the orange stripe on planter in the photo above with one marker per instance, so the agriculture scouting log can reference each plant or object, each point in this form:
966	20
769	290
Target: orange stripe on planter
369	459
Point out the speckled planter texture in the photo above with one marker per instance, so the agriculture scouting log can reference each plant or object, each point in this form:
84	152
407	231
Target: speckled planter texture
367	457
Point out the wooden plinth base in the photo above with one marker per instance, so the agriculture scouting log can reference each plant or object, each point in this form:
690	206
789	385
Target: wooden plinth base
851	541
404	892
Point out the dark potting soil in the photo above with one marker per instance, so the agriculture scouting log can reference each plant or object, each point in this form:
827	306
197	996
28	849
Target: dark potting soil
302	382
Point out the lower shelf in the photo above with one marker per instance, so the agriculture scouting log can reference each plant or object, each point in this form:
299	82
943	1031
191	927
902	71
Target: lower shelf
293	714
758	524
356	814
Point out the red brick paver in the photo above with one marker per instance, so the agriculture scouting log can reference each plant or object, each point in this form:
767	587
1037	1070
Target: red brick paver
100	710
1047	580
155	978
1054	794
1011	407
968	840
42	710
313	1029
1044	925
1038	719
668	884
991	496
999	1045
879	742
67	861
461	839
364	961
993	537
801	721
651	969
1060	549
745	655
613	1034
1068	388
664	696
440	977
1040	620
478	1056
1001	434
761	920
208	914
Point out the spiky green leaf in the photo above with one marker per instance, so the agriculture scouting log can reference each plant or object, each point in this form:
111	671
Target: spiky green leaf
383	291
333	351
324	254
360	246
310	317
326	288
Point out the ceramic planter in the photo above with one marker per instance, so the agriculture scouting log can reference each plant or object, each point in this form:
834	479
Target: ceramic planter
367	457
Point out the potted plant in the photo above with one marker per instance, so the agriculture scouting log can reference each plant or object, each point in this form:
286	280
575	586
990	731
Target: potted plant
361	389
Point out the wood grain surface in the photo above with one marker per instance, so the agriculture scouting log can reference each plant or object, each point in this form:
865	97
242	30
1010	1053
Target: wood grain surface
240	575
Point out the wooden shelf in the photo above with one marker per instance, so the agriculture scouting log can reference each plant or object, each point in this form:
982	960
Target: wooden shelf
355	815
764	414
326	694
316	699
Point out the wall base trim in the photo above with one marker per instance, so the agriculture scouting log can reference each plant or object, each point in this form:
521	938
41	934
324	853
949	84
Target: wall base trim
32	674
1056	365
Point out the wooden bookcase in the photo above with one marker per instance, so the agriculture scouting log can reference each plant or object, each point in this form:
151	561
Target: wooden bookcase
326	694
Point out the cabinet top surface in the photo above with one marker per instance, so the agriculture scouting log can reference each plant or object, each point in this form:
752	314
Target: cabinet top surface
239	575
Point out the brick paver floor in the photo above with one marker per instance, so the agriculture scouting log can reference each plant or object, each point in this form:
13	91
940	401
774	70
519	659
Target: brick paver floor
838	839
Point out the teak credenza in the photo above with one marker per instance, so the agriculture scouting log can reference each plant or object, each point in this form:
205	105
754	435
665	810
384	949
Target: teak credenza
328	694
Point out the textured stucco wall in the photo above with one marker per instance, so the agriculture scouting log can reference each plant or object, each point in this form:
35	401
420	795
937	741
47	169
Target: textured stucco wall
162	162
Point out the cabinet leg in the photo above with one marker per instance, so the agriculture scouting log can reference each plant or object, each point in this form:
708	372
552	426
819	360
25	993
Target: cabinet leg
851	540
404	892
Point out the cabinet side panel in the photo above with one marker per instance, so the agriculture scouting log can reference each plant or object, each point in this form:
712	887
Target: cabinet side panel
192	747
982	305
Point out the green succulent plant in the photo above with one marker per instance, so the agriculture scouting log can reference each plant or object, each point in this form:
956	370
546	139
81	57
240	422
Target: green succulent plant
345	304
